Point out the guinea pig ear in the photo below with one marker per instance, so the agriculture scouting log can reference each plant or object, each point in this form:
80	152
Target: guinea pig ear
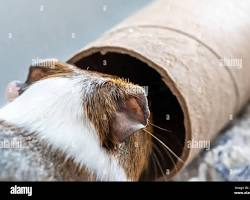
132	115
36	73
41	69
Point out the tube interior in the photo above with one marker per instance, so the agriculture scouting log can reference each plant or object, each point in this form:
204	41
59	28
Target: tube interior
165	109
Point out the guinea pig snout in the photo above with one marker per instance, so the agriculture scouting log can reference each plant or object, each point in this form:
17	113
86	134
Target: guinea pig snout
14	89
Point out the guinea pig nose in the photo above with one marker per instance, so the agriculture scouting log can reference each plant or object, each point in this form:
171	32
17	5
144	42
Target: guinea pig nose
13	90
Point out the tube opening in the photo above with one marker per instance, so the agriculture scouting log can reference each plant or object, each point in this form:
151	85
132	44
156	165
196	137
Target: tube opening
164	106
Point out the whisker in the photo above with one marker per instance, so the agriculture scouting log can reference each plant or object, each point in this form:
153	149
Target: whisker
158	151
169	155
170	150
159	165
162	157
154	167
163	129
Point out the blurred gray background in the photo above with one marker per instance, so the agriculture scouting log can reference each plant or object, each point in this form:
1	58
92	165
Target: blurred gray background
52	29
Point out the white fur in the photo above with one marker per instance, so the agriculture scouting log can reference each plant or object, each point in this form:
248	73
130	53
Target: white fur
53	109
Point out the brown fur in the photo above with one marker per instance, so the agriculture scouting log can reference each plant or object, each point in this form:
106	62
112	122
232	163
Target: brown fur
108	98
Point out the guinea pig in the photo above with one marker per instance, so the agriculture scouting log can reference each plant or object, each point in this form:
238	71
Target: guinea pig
68	124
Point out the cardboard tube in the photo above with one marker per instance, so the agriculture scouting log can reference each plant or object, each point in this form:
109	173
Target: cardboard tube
200	51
